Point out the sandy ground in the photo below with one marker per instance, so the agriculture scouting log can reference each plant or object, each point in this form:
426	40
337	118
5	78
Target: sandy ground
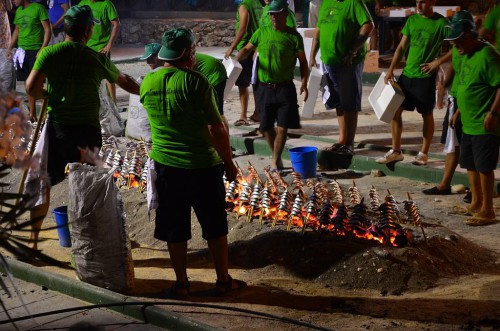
450	281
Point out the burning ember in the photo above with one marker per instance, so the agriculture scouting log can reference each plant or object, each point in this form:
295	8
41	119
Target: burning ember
325	209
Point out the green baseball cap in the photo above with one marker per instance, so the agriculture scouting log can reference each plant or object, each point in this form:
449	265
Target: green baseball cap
461	22
150	49
174	43
80	15
277	6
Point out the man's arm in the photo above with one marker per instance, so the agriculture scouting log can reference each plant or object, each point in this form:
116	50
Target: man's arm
304	73
492	118
13	42
128	84
314	48
65	7
219	139
242	29
244	52
34	84
432	66
364	33
47	34
398	55
115	28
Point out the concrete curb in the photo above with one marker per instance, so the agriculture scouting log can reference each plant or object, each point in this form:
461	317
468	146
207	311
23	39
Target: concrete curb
97	295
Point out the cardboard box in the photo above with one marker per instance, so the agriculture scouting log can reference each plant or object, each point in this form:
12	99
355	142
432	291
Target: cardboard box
371	62
385	99
313	85
233	69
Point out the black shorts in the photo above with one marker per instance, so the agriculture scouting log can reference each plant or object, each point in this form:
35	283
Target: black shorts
180	189
420	93
278	103
219	95
479	153
65	142
452	103
28	64
245	77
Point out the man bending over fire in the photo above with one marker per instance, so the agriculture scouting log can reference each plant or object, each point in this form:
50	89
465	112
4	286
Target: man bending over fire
190	151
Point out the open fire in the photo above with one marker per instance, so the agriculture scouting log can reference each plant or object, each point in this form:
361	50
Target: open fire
321	206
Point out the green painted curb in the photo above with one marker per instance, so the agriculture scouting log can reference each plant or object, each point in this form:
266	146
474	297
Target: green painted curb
97	295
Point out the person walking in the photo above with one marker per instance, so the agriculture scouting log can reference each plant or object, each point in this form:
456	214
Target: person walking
105	33
57	10
74	73
190	146
279	48
341	33
247	22
31	34
478	97
423	35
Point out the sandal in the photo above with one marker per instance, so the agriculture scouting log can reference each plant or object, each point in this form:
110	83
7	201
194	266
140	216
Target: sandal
179	290
460	210
479	221
241	122
436	191
222	288
334	148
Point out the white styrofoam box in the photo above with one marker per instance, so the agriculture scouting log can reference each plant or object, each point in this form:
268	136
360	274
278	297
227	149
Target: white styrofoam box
307	34
313	86
395	12
233	69
446	11
385	99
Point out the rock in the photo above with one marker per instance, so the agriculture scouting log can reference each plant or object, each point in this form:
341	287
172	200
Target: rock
377	173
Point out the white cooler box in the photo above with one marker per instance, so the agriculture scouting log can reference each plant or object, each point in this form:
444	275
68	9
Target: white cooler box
385	99
233	69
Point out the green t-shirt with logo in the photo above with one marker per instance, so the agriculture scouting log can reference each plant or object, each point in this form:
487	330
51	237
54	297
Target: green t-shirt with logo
29	21
104	11
478	82
492	22
277	53
180	104
74	74
456	62
211	68
254	8
426	37
339	24
265	20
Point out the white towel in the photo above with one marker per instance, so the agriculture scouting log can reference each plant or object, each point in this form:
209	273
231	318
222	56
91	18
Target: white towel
37	180
152	195
19	57
451	135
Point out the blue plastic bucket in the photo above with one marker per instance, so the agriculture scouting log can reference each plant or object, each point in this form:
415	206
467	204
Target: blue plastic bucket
304	160
61	215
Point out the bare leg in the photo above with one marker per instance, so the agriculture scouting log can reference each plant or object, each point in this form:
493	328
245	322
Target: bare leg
112	91
428	132
219	250
342	127
256	114
32	107
276	139
178	256
475	187
487	180
244	95
450	164
351	124
397	129
38	212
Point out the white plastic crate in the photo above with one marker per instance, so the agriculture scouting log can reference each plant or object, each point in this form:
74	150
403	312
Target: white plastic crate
385	99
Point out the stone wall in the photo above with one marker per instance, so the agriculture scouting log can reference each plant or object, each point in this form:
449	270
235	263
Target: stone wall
208	33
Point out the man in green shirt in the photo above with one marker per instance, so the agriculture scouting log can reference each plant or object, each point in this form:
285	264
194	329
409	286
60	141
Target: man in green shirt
74	73
478	97
190	152
247	22
423	35
491	26
279	48
341	33
32	32
105	33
